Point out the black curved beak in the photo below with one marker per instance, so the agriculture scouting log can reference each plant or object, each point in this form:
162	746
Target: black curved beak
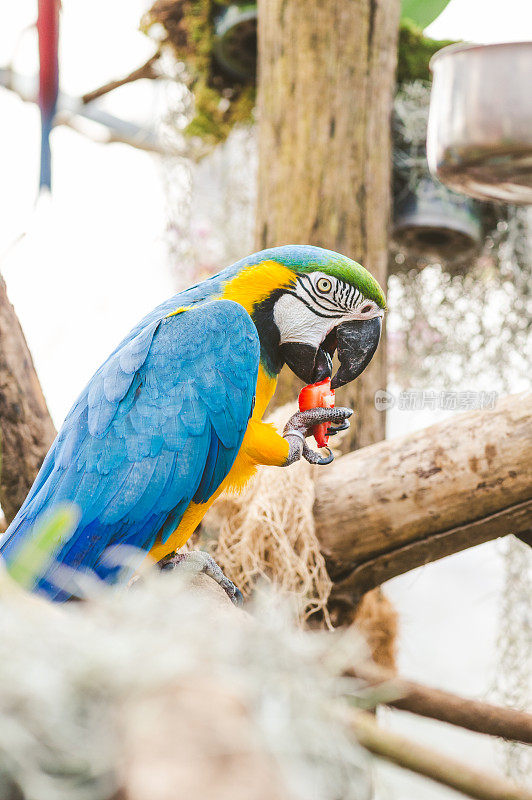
307	362
356	342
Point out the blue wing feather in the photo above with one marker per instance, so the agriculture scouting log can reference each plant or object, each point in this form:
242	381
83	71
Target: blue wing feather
159	424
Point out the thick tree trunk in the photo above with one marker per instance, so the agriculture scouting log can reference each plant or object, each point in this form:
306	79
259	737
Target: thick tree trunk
396	505
326	78
26	429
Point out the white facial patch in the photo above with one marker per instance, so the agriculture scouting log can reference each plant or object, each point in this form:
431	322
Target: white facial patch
317	304
298	323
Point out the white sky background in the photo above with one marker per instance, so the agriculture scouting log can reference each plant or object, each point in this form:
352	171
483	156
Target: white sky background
484	21
93	260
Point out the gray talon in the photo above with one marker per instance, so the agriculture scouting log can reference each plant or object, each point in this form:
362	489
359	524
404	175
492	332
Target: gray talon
200	561
337	429
316	458
171	561
301	425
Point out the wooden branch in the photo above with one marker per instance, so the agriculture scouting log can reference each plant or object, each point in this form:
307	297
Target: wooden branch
80	117
396	505
406	753
145	71
26	429
101	134
434	703
98	125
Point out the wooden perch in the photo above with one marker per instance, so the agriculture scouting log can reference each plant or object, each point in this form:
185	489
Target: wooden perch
398	504
26	429
408	754
426	701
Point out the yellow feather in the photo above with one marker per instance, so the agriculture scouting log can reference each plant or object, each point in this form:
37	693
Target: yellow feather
264	392
257	282
178	311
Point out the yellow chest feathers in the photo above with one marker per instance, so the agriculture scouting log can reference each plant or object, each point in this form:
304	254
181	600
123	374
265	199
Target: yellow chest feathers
258	446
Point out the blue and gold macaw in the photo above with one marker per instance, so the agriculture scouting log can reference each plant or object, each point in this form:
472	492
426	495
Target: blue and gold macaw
174	415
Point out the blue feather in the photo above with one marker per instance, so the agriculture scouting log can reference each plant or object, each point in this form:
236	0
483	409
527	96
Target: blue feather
203	491
159	424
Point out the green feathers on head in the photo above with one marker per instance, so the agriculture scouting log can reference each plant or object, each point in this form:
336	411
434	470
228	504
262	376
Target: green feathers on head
305	258
353	273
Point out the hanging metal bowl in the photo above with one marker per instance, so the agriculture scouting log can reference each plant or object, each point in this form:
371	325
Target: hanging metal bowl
479	139
432	222
235	41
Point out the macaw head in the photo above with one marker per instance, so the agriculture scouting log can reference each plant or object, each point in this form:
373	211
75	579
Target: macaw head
314	302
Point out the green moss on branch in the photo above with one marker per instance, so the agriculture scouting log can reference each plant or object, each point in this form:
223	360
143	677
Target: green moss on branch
221	100
415	52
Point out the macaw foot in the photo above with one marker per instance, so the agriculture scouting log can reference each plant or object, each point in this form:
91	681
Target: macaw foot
200	561
301	424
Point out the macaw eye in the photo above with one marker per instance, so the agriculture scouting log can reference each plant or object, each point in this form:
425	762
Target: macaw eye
324	285
365	308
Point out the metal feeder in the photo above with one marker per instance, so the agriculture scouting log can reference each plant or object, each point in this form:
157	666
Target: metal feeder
480	123
235	41
431	222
